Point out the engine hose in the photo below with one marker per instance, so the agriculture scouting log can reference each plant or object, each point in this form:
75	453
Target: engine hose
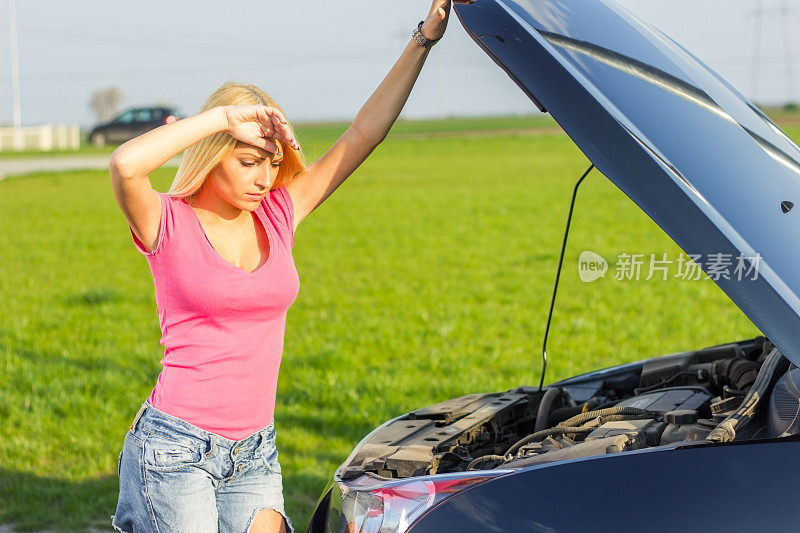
606	415
562	413
545	406
484	458
580	419
539	435
726	430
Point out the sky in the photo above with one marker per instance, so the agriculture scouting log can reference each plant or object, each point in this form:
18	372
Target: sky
321	59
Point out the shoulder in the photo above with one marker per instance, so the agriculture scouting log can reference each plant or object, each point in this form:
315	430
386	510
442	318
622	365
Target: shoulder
279	204
171	205
279	201
172	200
279	196
170	217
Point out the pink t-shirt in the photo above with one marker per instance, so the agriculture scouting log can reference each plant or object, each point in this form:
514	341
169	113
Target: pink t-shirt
222	327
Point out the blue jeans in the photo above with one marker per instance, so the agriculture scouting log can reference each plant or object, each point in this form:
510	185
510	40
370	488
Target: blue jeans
175	476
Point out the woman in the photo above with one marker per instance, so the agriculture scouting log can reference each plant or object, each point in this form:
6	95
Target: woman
200	455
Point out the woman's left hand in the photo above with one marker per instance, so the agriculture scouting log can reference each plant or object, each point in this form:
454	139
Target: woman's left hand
434	26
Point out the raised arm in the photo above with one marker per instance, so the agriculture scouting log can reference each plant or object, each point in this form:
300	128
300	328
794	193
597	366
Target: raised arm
133	161
313	185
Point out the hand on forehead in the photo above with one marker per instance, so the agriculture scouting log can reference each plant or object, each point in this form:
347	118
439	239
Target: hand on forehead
261	153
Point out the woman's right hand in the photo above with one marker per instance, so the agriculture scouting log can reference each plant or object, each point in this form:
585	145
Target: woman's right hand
259	125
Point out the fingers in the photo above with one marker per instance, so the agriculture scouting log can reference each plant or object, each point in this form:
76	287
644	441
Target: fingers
270	145
440	6
263	123
270	132
274	124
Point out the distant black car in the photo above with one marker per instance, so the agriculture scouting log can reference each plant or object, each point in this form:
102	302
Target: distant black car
132	123
702	440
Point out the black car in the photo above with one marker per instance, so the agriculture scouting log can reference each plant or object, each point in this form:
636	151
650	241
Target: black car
132	123
702	440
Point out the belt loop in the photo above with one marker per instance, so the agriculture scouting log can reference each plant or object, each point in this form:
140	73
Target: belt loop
212	446
138	416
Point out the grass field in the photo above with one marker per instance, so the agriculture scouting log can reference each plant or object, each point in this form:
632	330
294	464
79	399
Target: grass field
426	276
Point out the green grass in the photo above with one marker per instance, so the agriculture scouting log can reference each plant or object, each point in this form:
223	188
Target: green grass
323	132
426	276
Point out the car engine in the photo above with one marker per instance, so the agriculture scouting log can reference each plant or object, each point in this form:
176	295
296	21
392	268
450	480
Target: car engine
740	391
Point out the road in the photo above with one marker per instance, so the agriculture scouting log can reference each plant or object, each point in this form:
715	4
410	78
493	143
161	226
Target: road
27	165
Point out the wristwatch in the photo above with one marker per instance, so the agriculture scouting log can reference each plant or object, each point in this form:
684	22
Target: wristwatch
421	40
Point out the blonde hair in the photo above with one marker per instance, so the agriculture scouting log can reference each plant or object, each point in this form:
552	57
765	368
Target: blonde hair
201	158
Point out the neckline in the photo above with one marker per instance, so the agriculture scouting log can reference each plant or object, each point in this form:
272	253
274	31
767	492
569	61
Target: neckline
214	251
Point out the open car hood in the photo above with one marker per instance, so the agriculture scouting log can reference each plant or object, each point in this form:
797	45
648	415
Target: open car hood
702	161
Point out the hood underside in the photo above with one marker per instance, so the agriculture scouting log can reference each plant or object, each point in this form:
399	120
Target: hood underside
696	156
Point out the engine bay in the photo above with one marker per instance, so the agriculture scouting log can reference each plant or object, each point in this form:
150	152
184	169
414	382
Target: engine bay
740	391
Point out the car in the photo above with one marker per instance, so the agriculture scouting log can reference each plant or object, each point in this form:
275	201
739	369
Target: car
701	440
131	123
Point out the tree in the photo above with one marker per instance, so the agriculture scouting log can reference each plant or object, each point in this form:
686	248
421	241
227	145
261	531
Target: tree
105	103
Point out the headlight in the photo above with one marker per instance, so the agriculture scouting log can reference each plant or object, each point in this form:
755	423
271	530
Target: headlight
370	506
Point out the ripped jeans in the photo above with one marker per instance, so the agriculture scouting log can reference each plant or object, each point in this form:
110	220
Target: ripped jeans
177	477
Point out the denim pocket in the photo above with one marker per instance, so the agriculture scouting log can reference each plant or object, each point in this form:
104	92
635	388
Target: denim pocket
165	454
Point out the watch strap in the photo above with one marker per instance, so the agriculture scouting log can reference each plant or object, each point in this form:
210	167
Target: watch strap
421	39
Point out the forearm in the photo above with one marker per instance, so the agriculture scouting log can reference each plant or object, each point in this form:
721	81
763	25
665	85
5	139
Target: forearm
377	115
143	154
